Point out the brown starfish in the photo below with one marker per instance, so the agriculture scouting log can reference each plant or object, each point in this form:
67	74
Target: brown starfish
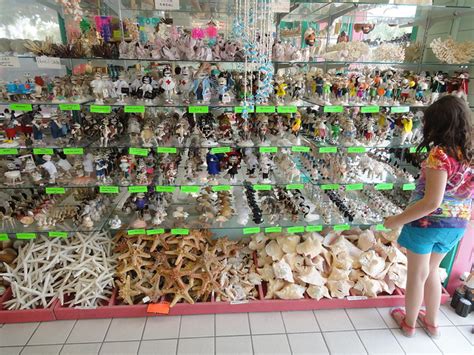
181	254
126	292
181	293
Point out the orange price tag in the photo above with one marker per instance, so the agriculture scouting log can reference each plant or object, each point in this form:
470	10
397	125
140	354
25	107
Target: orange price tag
159	308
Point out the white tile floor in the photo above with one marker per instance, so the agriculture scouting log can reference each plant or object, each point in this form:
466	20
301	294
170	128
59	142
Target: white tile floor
351	331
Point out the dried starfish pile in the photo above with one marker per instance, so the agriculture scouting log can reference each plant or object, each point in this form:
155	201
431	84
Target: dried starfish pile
360	263
187	267
78	271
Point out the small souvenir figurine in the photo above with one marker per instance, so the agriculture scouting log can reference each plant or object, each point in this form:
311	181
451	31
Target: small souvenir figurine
146	89
222	90
463	90
202	87
125	168
57	128
97	86
327	91
135	85
115	222
280	88
38	127
10	124
180	214
213	164
417	127
298	87
76	132
160	215
141	203
101	169
407	129
321	131
252	163
185	84
64	164
168	84
266	167
148	136
369	131
310	40
335	131
122	88
88	164
234	163
296	126
438	87
50	168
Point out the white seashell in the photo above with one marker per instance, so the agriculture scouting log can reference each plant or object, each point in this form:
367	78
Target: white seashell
273	286
266	272
313	277
397	273
366	240
291	292
369	287
274	250
318	292
288	244
283	271
310	247
339	288
372	264
258	242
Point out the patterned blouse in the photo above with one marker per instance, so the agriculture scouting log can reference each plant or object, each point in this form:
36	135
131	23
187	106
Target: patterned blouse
455	210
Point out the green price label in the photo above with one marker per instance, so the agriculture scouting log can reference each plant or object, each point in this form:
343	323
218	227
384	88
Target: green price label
330	187
273	230
268	149
8	151
408	187
295	186
221	188
381	228
73	151
399	109
251	230
155	231
265	109
69	107
136	231
296	229
330	109
262	187
138	151
100	109
370	109
55	190
135	189
108	189
57	234
356	149
300	149
167	150
198	109
220	150
190	189
384	186
341	227
317	228
21	107
240	109
3	236
134	109
26	235
354	187
43	151
328	150
180	231
165	188
286	109
423	150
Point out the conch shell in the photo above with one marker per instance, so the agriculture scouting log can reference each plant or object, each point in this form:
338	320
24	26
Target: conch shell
318	292
369	287
313	277
310	247
288	244
372	264
366	240
283	271
274	250
339	274
266	272
258	242
291	292
339	288
273	286
398	274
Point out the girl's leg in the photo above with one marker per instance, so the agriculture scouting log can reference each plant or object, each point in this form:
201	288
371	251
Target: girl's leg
433	290
418	271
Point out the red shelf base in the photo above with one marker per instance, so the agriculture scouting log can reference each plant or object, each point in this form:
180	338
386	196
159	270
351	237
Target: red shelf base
24	315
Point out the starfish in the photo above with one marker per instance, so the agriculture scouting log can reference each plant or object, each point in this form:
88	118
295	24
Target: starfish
126	292
136	255
181	253
153	291
181	293
160	259
226	246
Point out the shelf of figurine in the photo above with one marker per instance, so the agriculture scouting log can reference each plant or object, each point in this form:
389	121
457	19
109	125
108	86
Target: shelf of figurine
23	213
390	87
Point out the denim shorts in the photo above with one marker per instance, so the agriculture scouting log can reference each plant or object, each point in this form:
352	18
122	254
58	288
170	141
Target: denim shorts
430	240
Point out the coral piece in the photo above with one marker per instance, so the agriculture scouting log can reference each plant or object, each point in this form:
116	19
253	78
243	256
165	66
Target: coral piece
452	52
389	52
291	292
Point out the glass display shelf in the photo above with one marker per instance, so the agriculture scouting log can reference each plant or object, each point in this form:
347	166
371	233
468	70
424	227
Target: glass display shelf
433	3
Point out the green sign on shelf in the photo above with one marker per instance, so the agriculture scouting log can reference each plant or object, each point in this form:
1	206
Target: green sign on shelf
155	231
328	150
165	188
399	109
413	150
108	189
8	151
136	231
190	189
180	231
341	227
221	188
55	190
21	107
268	149
330	109
273	230
57	234
135	189
3	236
317	228
295	229
408	187
370	109
26	235
73	151
251	230
262	187
287	109
330	187
240	109
138	151
357	150
69	107
43	151
355	187
167	150
100	109
381	228
265	109
134	109
198	109
220	150
300	149
384	186
295	186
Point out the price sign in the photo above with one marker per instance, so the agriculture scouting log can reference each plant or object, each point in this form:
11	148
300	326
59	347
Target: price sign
137	189
136	231
295	187
155	231
69	107
8	151
399	109
100	109
57	234
328	149
220	150
26	235
286	109
165	188
384	186
265	109
341	227
354	187
21	107
300	149
138	151
296	229
408	187
180	231
221	188
48	62
73	151
190	189
240	109
55	190
262	187
273	230
9	62
134	109
108	189
198	109
167	4
3	236
330	187
370	109
43	151
317	228
167	150
162	307
251	230
357	150
413	150
333	109
268	149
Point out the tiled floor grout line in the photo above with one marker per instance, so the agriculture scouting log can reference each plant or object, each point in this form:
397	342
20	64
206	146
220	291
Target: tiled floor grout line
141	338
105	336
286	332
355	329
464	335
179	334
321	330
26	344
250	331
70	332
390	329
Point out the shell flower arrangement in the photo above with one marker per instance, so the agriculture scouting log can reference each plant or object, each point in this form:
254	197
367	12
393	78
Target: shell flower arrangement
452	52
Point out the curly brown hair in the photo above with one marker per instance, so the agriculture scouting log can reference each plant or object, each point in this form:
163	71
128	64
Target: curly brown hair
447	123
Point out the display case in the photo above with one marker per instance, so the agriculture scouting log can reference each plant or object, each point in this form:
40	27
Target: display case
226	125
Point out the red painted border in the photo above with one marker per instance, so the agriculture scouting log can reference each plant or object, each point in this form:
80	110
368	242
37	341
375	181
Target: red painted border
24	315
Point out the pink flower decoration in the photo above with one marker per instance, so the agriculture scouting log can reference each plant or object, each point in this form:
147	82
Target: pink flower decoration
211	31
197	33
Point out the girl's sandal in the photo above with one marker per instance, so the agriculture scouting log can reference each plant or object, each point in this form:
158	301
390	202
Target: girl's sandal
398	314
430	329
